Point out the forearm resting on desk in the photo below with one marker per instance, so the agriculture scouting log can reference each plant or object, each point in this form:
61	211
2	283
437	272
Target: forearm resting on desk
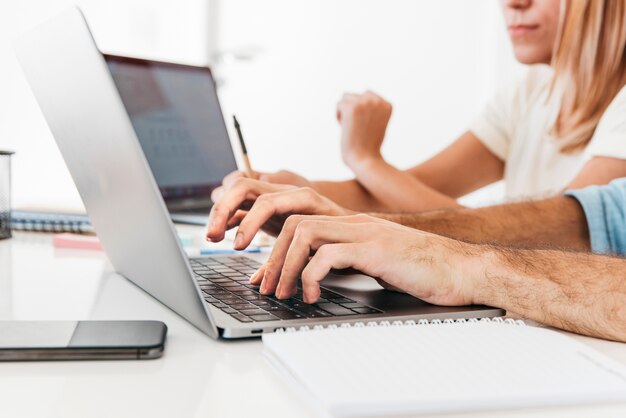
400	190
351	195
382	187
578	292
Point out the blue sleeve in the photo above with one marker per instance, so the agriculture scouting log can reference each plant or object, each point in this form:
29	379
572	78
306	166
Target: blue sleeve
605	210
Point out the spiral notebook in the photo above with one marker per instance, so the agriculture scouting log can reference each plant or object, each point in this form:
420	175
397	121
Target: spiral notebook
441	367
40	221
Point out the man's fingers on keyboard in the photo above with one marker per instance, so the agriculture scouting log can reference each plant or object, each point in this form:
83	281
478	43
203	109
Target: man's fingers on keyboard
260	212
297	255
236	197
327	257
242	189
266	206
270	278
258	275
217	223
236	219
281	246
279	251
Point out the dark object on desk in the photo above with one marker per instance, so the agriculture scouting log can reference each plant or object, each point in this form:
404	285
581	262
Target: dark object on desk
30	220
190	218
5	194
81	340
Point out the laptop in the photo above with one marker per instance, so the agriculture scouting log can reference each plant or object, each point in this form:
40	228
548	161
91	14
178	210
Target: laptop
79	99
176	115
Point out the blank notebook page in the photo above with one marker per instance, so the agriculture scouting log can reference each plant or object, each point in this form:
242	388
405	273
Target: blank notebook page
402	369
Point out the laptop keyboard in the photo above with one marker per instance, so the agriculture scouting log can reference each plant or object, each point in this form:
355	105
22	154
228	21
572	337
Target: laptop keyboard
225	283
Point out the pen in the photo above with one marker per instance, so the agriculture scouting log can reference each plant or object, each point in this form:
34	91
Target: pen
246	160
217	251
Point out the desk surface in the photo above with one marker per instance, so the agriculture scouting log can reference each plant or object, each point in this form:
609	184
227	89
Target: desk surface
196	377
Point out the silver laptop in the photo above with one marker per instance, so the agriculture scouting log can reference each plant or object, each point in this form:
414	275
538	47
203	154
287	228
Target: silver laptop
94	133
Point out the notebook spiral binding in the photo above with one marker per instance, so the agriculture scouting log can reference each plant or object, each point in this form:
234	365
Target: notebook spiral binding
23	220
410	323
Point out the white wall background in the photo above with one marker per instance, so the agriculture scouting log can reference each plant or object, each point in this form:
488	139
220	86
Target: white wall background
437	61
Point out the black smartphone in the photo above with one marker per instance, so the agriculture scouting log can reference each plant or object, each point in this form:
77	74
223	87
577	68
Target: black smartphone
81	340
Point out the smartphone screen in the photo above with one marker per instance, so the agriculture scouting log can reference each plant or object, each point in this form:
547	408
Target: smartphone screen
81	340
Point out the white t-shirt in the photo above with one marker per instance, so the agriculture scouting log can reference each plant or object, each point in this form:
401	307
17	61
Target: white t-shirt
515	125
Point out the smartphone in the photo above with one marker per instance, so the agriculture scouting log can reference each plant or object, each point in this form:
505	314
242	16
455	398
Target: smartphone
81	340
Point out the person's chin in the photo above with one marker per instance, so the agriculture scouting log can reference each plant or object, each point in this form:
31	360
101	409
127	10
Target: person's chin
530	56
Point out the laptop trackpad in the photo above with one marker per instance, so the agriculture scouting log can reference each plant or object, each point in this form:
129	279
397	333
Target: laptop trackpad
365	289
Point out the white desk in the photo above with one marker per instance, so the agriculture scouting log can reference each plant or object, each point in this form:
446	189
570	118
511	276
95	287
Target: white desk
196	377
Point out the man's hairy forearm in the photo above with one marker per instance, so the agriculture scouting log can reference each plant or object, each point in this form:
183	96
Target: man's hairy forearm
558	222
582	293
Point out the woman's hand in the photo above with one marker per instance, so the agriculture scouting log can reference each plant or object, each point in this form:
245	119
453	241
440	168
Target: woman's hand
429	267
279	177
363	119
285	177
254	204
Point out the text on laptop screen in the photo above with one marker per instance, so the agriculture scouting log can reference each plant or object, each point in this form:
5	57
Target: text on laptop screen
176	115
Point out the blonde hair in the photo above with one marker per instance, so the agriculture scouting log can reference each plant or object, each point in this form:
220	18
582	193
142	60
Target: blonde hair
590	67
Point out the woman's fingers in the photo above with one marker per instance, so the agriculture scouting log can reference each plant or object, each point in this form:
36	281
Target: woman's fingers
346	99
285	177
350	97
228	181
232	177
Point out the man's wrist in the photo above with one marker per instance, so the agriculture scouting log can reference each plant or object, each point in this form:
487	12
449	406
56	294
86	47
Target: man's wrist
478	268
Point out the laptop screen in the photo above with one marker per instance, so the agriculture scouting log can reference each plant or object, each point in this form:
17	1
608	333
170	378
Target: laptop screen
177	117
